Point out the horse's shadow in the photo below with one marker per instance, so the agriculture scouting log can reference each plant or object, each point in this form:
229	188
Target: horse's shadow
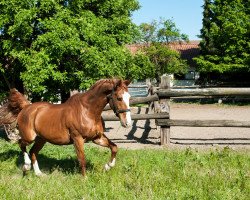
144	139
47	164
8	154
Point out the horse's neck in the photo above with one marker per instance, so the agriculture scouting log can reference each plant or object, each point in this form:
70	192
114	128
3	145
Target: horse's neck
96	99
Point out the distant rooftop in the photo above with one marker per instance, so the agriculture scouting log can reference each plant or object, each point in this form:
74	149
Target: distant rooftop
188	50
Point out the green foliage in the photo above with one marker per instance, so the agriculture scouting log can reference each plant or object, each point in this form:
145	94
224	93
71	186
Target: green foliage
148	32
143	67
138	174
165	60
53	46
162	31
156	36
170	33
225	37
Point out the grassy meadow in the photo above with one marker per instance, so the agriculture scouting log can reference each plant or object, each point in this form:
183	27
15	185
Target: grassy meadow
138	174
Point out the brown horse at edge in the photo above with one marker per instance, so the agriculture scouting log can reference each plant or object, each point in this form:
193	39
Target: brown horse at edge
76	121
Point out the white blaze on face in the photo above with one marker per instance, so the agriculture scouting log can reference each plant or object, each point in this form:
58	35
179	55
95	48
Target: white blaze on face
126	97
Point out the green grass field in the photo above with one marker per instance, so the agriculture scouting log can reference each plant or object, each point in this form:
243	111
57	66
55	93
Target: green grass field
138	174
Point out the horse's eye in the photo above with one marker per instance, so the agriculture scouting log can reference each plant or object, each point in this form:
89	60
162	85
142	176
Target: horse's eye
119	98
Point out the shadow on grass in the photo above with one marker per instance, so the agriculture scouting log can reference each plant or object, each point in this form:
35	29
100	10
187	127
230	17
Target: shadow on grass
66	165
48	164
9	155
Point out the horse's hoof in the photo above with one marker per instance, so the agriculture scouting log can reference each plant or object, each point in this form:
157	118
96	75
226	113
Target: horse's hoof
26	167
107	167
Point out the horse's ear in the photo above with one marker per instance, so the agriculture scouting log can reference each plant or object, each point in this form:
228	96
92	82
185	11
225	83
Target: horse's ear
118	83
127	82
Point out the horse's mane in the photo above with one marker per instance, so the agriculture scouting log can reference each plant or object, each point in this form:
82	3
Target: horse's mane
109	82
103	81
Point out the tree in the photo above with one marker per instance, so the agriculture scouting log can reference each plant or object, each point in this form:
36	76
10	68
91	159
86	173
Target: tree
165	60
207	43
157	37
170	33
162	31
52	46
148	32
225	37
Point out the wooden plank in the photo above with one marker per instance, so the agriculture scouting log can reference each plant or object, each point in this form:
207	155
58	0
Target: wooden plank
202	123
204	92
138	116
138	86
139	100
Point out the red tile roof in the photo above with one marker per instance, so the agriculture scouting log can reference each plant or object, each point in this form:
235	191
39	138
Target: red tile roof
188	50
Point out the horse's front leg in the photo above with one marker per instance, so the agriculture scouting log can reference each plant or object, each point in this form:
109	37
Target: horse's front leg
79	145
105	142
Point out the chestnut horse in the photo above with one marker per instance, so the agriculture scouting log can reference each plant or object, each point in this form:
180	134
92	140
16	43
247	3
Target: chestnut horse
76	121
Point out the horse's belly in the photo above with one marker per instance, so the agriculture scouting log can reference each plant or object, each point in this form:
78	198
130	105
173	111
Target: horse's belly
59	137
60	141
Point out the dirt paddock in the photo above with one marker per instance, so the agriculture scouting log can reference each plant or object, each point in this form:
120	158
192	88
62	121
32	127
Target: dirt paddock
145	134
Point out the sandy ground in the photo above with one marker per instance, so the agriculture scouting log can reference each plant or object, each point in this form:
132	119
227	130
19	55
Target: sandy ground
145	134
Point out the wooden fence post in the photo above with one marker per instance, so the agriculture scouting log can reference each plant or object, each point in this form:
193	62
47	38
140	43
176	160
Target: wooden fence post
165	107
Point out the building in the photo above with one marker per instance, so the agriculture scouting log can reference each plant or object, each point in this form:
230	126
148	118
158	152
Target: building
188	51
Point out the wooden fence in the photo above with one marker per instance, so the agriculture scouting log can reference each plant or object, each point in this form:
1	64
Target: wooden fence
161	99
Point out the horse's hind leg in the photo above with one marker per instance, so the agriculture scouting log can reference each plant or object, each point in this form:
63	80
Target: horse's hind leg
27	161
105	142
38	145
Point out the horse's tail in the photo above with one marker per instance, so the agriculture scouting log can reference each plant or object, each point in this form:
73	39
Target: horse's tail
10	110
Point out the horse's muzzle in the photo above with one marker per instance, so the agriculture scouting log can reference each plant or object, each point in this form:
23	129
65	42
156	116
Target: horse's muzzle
126	121
126	125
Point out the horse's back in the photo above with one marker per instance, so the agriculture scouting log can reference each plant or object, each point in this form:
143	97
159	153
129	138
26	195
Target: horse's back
28	112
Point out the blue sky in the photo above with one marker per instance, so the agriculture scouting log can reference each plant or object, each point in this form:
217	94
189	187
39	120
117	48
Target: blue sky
187	14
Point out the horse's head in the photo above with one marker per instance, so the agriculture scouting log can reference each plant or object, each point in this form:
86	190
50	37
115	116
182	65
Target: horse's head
119	102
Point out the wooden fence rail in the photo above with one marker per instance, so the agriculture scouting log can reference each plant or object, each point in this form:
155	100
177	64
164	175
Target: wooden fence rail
202	123
161	98
204	92
139	100
138	116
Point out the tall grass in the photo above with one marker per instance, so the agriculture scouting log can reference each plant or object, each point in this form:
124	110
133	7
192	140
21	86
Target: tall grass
139	174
